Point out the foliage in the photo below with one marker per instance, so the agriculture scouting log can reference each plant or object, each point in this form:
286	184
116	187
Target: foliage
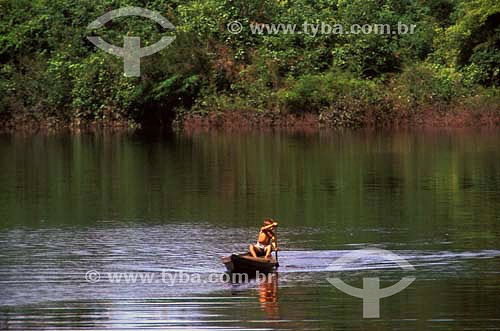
50	70
473	43
424	84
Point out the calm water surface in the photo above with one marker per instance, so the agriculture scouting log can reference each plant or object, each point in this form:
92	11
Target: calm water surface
147	204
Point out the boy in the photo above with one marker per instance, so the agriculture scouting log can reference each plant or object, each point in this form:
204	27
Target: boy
266	241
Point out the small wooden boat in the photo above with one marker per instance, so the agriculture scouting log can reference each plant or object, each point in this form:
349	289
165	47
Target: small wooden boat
246	263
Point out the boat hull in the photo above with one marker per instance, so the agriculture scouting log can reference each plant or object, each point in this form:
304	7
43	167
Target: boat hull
245	263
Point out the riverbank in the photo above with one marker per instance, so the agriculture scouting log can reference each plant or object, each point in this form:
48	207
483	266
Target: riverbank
461	116
417	97
438	117
52	124
317	103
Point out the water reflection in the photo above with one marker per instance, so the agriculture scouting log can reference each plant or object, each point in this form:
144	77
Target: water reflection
268	295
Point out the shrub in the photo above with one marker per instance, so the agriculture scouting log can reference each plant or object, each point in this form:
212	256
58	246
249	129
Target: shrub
423	84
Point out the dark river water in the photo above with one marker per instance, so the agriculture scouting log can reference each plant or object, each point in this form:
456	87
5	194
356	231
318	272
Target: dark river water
82	214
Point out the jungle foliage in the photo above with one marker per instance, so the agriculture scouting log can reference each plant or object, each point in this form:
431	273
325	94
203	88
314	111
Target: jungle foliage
50	71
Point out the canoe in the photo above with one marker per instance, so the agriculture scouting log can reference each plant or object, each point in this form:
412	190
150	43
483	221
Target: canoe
246	263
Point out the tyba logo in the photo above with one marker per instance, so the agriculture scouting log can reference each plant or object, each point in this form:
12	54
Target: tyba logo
371	293
131	50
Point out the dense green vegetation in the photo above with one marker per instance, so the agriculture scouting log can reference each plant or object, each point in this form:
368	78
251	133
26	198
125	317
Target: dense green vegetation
51	73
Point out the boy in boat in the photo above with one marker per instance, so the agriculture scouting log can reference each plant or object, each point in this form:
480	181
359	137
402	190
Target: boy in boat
266	241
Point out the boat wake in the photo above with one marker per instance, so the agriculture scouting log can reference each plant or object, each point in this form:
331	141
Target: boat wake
319	261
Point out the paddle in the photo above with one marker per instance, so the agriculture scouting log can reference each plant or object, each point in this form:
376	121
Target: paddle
276	252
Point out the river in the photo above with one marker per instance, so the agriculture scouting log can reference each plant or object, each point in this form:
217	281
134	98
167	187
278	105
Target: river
77	210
